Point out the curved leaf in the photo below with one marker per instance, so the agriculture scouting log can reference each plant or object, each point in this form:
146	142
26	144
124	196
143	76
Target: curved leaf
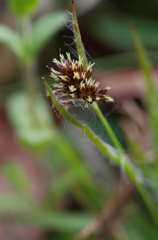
46	27
33	125
12	40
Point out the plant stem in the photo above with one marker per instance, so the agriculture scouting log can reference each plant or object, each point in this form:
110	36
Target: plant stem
118	157
107	127
78	39
28	65
145	195
28	68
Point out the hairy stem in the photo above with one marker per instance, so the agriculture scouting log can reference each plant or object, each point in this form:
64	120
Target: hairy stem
117	156
78	39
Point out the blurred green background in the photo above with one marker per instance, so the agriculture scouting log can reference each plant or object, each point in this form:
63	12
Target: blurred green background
53	181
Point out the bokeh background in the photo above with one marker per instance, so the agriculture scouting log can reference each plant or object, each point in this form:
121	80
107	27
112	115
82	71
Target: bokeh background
53	181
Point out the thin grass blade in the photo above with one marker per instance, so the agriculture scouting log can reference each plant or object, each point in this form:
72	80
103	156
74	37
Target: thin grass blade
152	100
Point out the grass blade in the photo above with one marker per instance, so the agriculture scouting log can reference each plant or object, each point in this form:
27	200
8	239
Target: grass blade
152	100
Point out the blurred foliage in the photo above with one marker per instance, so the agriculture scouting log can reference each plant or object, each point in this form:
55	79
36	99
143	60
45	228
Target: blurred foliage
78	183
45	28
122	61
34	129
17	177
115	30
139	227
42	30
23	8
12	40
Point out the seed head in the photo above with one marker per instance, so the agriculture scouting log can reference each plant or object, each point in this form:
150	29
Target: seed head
75	83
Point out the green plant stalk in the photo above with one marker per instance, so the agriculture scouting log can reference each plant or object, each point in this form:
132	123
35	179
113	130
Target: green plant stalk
119	158
105	148
152	100
127	166
28	65
81	52
142	190
78	39
107	127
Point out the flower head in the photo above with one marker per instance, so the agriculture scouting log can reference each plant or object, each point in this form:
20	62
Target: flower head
73	83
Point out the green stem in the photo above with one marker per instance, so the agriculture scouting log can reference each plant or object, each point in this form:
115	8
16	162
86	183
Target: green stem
128	167
107	127
28	68
119	157
78	39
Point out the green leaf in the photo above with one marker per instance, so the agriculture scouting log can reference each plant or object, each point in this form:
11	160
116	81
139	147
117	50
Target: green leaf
46	27
17	177
33	124
23	8
69	222
12	40
152	99
11	203
30	213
